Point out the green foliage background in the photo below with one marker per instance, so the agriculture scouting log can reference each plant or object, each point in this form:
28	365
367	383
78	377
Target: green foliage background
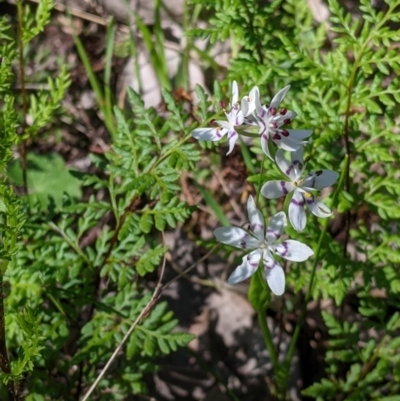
65	297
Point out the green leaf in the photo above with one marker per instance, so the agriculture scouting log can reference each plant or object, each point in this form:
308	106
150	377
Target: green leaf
323	389
163	345
149	260
214	206
47	176
146	222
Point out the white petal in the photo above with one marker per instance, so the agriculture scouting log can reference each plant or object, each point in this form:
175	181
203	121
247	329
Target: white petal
288	142
254	99
235	117
276	227
256	219
297	163
235	93
297	214
298	156
254	94
317	208
245	106
262	111
237	237
284	164
232	138
264	144
275	102
276	188
321	179
290	115
293	250
276	279
209	134
299	134
281	119
246	269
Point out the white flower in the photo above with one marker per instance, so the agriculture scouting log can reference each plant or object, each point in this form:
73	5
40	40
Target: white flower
301	188
270	121
235	118
262	244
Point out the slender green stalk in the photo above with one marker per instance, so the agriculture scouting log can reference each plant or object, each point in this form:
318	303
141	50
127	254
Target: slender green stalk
260	178
156	52
71	243
246	156
261	315
261	309
213	205
98	91
290	353
108	99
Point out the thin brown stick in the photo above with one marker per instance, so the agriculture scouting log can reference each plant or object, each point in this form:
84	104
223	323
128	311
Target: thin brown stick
184	272
76	12
146	310
143	314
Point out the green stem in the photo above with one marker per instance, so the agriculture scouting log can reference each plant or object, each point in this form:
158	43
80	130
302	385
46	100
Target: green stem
292	346
262	319
259	179
95	84
70	242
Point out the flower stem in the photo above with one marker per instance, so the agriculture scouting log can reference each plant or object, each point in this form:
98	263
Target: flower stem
262	319
292	346
261	309
259	180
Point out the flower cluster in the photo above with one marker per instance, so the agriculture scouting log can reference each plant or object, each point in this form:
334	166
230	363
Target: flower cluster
270	124
268	119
